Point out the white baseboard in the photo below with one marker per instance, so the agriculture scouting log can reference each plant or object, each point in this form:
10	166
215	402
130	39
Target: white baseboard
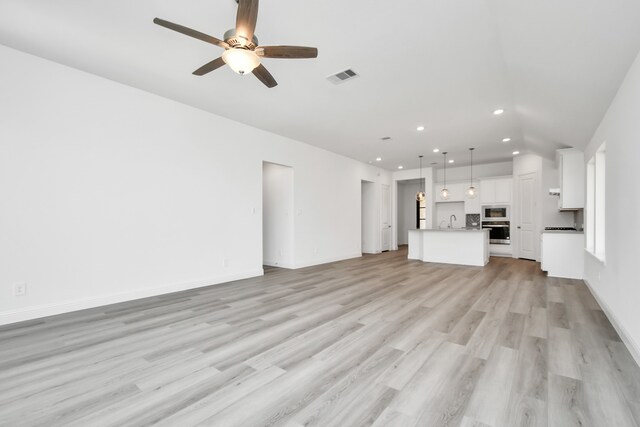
44	310
327	260
279	264
632	346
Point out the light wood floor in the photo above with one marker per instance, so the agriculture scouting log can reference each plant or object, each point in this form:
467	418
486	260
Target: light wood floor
376	340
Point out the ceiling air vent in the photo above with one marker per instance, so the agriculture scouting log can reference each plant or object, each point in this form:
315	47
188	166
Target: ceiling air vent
342	76
385	138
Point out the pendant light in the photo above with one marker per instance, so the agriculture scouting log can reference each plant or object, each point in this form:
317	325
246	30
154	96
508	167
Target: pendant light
472	191
420	195
444	193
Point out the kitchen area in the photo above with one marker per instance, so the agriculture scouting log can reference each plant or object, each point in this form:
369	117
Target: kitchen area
530	208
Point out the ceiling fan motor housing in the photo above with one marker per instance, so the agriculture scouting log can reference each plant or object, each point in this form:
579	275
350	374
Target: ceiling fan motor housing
235	41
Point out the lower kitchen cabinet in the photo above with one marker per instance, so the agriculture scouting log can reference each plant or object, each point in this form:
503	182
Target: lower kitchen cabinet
562	254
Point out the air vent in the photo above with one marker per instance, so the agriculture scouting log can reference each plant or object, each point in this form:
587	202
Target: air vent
385	138
342	76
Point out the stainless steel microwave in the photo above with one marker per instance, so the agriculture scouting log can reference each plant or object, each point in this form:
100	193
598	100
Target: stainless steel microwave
496	213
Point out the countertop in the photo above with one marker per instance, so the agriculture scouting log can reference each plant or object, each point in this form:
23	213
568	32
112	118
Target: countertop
563	231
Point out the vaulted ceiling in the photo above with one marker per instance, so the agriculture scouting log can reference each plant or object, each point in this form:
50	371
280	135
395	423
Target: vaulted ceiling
553	66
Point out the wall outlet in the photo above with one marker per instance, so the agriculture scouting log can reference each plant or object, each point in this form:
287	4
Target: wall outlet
19	289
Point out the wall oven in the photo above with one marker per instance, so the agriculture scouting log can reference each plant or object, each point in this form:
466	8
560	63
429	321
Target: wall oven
496	213
499	232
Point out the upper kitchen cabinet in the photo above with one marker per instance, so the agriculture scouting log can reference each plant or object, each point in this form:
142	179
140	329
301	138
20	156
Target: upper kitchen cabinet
570	164
496	191
456	192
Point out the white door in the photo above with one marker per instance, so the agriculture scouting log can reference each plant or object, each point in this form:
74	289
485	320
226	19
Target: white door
385	218
525	224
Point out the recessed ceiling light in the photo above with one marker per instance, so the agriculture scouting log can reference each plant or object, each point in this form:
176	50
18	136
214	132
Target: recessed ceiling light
498	111
506	139
378	159
400	167
515	153
436	150
451	161
420	128
370	162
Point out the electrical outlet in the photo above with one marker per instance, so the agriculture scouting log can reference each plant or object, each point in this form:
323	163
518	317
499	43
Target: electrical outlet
20	289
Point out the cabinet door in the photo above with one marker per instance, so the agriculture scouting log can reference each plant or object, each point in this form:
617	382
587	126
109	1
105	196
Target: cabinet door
571	171
503	190
487	191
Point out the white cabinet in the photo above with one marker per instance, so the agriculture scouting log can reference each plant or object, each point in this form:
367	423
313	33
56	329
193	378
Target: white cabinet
562	254
496	191
571	174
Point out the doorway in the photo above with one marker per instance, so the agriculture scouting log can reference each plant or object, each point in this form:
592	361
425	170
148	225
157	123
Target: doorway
526	216
277	215
406	212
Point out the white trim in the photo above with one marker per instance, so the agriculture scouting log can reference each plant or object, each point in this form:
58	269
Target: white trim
44	310
632	346
327	260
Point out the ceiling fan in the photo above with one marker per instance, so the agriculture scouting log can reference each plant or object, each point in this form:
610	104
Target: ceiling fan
241	50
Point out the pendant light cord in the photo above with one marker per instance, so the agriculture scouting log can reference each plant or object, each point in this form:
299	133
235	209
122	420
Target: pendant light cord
445	169
421	189
471	183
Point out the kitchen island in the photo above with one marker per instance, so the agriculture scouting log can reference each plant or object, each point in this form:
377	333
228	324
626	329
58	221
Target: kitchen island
450	246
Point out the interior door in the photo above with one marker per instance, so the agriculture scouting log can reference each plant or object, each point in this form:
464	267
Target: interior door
525	225
385	218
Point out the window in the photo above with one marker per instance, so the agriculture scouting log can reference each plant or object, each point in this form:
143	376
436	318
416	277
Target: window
595	215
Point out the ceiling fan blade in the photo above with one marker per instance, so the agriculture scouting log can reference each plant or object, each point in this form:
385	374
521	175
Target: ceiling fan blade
287	52
246	19
209	67
264	76
191	33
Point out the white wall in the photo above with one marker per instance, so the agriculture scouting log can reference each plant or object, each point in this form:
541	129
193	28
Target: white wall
277	215
479	171
444	210
110	193
616	283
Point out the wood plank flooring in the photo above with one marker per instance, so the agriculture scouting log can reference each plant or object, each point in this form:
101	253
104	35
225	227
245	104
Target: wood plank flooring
377	340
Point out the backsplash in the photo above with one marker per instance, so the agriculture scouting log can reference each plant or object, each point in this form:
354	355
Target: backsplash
471	219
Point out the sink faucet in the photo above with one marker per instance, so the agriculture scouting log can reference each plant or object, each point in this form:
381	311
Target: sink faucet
451	221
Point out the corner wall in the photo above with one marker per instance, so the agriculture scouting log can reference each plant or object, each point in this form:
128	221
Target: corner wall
616	283
110	193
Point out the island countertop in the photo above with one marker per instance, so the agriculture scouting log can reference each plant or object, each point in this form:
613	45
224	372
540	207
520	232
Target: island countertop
450	246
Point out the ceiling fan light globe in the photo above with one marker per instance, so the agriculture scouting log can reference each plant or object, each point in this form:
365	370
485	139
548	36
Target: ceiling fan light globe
242	61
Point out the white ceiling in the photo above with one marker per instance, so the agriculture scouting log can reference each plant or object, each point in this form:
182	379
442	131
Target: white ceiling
554	66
